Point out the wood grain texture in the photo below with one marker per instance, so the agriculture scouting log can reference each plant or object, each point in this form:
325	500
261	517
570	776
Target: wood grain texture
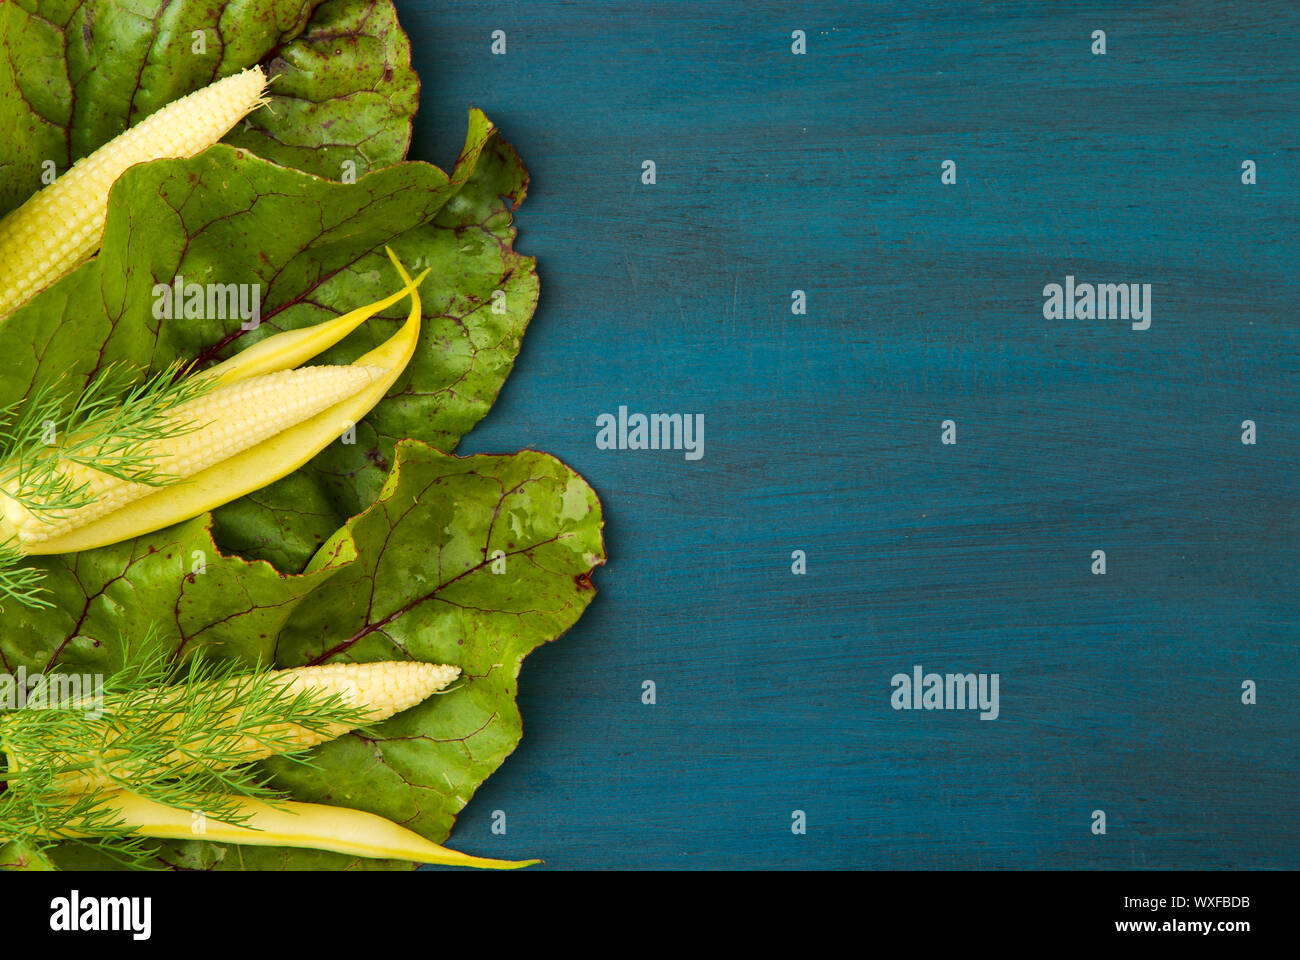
821	172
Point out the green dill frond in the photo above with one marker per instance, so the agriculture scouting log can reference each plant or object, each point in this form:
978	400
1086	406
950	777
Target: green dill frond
109	426
20	582
112	433
37	821
189	744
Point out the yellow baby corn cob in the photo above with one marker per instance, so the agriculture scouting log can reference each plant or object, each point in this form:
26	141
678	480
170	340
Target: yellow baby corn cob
231	418
376	691
261	421
62	225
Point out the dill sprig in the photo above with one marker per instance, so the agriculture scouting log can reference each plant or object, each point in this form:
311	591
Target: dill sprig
19	581
189	743
110	426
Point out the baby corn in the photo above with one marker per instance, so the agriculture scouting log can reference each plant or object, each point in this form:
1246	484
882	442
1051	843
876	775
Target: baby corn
63	224
147	765
256	419
370	691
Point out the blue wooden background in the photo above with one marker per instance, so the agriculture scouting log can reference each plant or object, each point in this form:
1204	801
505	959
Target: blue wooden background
822	172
